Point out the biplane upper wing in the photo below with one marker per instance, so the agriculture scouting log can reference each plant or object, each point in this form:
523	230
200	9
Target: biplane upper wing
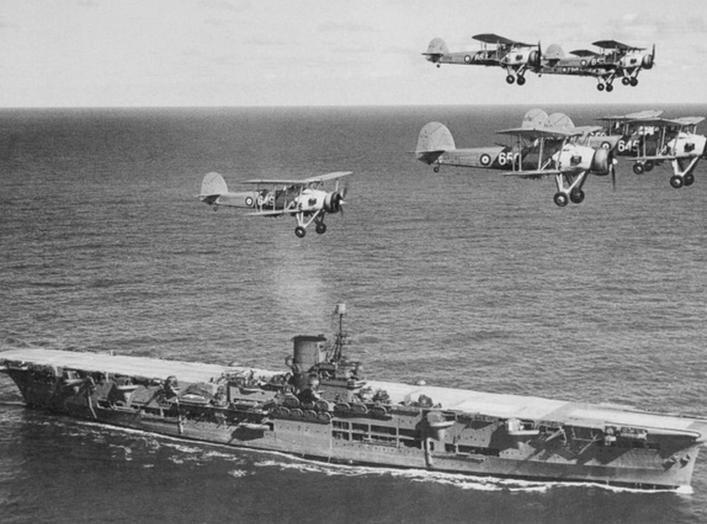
299	182
638	115
491	38
584	53
658	122
586	130
614	45
539	132
690	120
327	176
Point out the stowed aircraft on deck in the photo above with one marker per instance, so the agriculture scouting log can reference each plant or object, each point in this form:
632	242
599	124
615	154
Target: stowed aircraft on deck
649	139
304	199
544	146
515	57
614	60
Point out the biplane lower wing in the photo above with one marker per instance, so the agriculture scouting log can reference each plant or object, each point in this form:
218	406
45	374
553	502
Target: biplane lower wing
532	173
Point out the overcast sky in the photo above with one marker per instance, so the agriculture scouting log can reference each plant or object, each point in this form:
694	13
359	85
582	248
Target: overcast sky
326	52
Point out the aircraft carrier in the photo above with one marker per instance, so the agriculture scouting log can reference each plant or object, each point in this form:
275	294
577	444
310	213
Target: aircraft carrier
321	407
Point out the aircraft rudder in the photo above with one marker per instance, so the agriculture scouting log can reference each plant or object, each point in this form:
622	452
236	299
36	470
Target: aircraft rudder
432	141
213	184
437	46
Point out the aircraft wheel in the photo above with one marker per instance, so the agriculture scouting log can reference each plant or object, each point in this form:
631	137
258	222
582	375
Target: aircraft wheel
510	79
577	197
648	166
689	179
321	228
625	80
676	182
560	199
435	169
600	87
634	81
521	80
638	169
609	88
438	66
300	232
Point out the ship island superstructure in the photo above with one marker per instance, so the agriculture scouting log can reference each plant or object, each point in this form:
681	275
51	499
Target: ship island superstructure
322	408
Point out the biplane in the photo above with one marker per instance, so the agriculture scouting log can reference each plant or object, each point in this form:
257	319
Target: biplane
615	60
628	60
538	150
305	199
515	57
650	140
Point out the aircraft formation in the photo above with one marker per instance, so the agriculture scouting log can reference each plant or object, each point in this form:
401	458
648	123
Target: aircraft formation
613	60
542	146
551	145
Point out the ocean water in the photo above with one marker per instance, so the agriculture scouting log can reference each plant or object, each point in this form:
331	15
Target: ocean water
462	278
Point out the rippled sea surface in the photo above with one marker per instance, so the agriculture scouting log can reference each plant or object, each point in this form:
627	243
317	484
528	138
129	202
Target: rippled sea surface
462	278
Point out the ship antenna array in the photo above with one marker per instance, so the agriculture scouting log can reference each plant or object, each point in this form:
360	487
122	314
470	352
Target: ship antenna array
340	311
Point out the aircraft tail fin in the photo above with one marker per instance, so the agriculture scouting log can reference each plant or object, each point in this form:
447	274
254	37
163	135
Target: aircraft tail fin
436	49
554	52
534	118
433	140
212	186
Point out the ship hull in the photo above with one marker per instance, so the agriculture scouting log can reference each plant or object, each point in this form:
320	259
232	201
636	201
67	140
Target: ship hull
476	446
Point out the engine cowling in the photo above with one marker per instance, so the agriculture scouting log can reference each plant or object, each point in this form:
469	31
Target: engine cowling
534	58
601	162
647	61
332	202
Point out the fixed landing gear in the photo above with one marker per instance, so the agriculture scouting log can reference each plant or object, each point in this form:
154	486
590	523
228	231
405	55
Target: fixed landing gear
560	199
625	80
321	228
510	79
686	180
300	232
520	80
638	168
435	169
608	85
600	87
633	81
577	197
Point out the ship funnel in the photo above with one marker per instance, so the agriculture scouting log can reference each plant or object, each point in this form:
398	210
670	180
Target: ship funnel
308	352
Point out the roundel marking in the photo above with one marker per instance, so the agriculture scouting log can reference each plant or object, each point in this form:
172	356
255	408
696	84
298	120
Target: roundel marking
467	59
606	145
249	201
583	63
485	159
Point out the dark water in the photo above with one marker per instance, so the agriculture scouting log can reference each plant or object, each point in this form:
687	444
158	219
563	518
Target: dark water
464	279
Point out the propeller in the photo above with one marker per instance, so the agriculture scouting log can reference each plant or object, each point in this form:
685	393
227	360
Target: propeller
612	172
649	60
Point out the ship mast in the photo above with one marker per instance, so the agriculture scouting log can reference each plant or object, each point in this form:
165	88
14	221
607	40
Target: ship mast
339	342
